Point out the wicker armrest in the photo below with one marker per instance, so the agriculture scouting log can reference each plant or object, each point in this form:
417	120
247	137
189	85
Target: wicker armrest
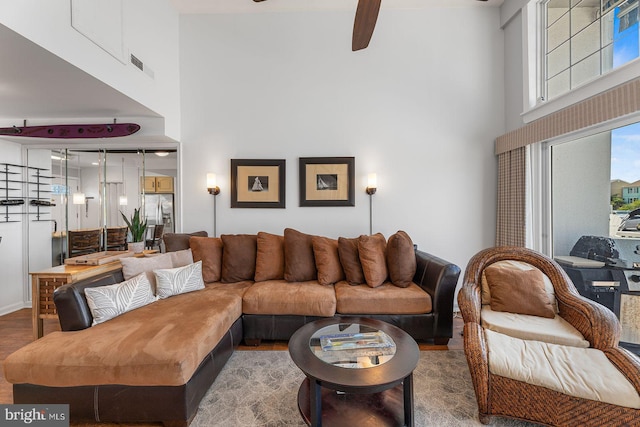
469	301
626	363
475	349
597	323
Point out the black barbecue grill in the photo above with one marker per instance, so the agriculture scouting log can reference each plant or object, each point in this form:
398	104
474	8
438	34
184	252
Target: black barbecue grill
599	272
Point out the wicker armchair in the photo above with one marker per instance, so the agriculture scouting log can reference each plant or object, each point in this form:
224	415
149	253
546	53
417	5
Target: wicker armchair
500	396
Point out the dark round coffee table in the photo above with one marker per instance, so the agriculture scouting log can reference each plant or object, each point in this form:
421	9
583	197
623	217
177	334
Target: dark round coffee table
359	372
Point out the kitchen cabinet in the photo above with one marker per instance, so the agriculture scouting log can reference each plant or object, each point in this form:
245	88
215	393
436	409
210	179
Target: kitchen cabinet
158	184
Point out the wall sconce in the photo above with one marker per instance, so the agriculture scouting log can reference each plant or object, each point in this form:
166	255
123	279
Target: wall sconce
372	186
214	190
78	198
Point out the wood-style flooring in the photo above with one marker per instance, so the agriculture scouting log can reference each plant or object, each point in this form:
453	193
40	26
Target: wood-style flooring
16	332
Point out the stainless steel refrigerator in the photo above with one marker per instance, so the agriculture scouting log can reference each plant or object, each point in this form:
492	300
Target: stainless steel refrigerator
159	209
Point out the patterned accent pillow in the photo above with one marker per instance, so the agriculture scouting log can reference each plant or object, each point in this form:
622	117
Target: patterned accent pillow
175	281
107	302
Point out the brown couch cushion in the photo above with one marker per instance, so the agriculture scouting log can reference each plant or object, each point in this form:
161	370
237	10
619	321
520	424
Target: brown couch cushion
325	251
270	257
401	259
289	298
350	260
238	257
209	251
179	241
385	299
299	262
518	291
140	347
372	252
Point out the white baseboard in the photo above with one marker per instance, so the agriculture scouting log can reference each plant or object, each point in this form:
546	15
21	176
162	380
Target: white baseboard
13	307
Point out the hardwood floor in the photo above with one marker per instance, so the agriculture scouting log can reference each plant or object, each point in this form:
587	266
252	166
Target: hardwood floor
16	332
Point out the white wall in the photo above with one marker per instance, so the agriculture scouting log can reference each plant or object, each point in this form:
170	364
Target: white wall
513	74
421	107
12	246
149	31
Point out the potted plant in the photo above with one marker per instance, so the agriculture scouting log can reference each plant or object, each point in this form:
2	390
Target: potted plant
137	227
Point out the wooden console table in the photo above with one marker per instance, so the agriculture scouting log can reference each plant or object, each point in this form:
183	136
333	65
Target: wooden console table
45	282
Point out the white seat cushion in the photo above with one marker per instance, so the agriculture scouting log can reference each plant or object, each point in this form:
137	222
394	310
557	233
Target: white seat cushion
525	327
581	372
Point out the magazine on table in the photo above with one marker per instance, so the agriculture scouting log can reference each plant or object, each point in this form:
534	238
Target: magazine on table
354	341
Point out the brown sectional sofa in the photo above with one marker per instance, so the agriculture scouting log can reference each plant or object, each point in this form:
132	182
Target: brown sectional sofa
155	363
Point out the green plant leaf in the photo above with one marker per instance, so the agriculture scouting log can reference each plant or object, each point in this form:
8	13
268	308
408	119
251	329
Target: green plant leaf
135	225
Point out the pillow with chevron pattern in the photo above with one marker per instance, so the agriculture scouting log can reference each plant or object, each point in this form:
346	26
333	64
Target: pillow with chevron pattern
107	302
174	281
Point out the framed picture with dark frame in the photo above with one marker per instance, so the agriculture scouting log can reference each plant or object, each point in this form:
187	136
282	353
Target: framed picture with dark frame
257	183
327	181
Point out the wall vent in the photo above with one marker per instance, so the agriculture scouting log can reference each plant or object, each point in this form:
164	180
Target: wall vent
135	61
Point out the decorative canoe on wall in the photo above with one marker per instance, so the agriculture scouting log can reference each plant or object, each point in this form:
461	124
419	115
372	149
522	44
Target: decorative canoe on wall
112	130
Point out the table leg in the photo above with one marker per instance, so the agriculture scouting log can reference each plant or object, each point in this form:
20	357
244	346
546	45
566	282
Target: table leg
315	404
36	321
408	400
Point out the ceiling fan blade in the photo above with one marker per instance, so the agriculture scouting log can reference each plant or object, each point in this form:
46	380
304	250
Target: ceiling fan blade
364	23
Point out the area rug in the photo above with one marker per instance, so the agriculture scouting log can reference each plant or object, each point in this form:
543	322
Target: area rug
260	388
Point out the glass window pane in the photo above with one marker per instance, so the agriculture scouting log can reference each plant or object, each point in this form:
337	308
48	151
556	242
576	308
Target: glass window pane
581	17
607	58
625	49
607	28
585	70
558	84
558	33
585	43
558	60
556	9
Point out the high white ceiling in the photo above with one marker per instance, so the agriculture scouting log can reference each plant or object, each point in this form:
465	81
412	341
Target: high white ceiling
34	83
249	6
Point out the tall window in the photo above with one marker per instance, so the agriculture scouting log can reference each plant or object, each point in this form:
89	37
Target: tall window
585	39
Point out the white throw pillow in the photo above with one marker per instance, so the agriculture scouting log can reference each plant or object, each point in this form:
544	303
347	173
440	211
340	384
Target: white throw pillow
107	302
131	266
181	258
174	281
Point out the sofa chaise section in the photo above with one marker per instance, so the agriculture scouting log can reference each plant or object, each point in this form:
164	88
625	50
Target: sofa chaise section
151	364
